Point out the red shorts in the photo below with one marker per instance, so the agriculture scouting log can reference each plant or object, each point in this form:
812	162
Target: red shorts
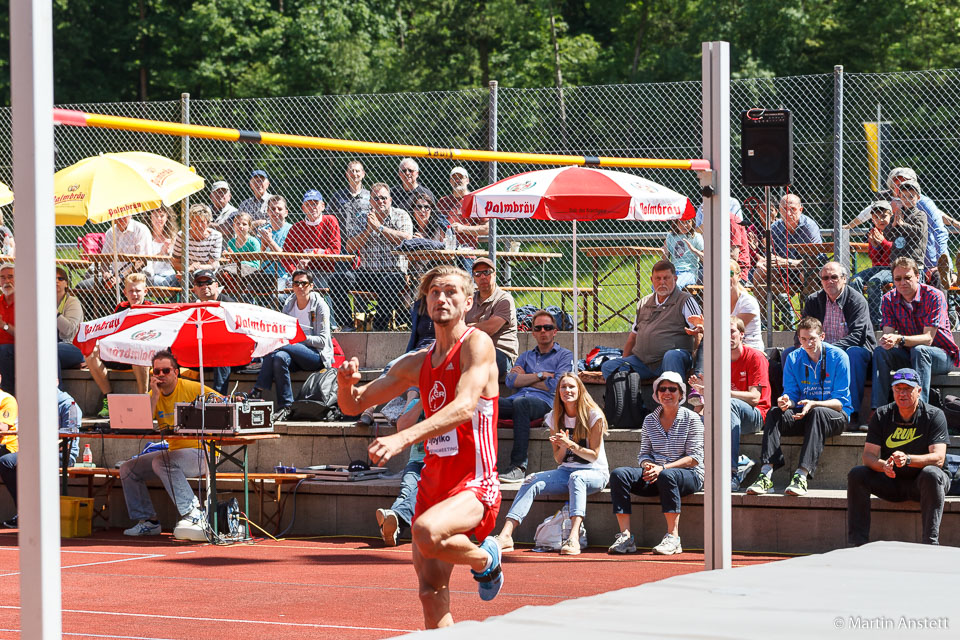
483	529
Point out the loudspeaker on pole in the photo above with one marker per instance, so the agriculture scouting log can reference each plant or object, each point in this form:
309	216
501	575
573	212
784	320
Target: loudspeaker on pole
766	147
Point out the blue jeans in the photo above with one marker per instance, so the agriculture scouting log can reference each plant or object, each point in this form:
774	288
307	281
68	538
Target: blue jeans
671	485
172	469
577	483
743	419
927	361
404	505
504	364
521	410
859	279
678	360
277	366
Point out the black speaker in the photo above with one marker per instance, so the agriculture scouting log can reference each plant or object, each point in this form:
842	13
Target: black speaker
766	147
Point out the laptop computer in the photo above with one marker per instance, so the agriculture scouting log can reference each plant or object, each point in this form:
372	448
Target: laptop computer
130	413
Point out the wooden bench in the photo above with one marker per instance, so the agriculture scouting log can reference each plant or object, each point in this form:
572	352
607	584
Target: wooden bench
565	292
256	480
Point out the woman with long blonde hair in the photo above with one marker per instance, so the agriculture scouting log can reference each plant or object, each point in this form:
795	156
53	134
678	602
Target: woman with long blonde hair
577	427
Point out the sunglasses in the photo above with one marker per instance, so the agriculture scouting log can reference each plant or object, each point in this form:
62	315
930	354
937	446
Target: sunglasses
662	388
482	272
162	371
905	376
203	283
380	198
544	327
832	276
301	283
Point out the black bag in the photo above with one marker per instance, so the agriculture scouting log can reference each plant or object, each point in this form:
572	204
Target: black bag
952	466
775	372
525	317
623	401
317	399
951	408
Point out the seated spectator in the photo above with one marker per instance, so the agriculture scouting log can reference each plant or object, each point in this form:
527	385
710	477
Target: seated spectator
815	404
222	210
313	354
206	244
744	306
317	233
172	466
206	288
239	275
380	270
577	427
70	419
916	333
658	340
163	236
843	312
877	276
467	230
400	513
671	466
7	332
134	292
495	313
125	236
9	446
907	230
684	248
749	396
69	317
902	460
426	221
256	204
409	186
273	276
534	382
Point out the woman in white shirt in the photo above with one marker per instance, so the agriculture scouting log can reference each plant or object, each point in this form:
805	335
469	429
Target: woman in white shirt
577	426
745	306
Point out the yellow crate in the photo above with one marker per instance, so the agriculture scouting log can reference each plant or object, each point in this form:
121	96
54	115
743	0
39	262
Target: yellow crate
76	517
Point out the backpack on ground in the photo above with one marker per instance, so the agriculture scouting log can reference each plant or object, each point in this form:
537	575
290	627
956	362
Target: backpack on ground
551	533
525	317
952	466
623	401
317	399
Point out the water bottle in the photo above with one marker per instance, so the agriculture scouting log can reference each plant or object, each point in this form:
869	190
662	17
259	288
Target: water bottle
450	239
87	454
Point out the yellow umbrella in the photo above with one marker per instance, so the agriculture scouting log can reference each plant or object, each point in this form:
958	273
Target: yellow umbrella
116	185
6	195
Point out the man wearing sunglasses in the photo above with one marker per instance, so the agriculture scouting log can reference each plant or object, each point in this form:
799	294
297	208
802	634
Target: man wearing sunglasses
534	381
172	466
903	459
495	313
206	288
845	316
409	186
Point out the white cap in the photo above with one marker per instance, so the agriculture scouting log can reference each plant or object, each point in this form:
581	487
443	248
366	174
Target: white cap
459	170
220	184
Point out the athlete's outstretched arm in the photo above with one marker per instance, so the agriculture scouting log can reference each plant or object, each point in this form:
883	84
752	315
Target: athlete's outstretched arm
353	399
477	374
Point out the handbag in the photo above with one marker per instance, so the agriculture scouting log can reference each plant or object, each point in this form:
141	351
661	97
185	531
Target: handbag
551	533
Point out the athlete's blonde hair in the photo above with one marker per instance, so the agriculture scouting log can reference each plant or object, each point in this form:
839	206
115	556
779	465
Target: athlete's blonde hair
445	270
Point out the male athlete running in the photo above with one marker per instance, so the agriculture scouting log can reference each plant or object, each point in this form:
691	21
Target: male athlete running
459	492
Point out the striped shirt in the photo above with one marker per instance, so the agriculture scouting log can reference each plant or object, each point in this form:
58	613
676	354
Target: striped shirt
928	309
685	438
377	253
206	251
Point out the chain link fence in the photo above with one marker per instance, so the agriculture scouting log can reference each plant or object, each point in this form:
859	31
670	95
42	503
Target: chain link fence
917	109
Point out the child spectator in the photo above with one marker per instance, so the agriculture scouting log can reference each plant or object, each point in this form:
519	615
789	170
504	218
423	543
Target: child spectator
684	248
879	251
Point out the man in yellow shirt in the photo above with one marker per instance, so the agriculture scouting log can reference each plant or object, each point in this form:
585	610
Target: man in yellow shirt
172	466
8	449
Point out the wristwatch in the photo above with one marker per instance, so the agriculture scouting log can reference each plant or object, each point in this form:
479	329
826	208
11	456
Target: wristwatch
907	463
902	342
539	373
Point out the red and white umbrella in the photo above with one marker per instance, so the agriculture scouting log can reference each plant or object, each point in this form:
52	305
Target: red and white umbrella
199	334
577	193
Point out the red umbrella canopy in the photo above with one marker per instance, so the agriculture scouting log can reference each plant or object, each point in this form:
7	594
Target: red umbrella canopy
577	193
210	334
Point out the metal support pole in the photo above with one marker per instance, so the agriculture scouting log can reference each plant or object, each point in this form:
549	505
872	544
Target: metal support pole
717	543
31	91
185	203
768	252
841	236
492	166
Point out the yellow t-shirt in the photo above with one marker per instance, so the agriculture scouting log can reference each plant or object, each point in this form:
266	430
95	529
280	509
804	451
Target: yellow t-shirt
185	391
8	416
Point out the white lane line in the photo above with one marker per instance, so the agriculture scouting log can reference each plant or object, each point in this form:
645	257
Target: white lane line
97	635
91	564
307	625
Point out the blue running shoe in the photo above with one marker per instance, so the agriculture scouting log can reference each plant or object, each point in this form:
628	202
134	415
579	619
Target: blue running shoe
491	580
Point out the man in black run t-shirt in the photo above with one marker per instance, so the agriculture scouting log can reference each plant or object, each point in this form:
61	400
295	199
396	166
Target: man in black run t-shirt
903	460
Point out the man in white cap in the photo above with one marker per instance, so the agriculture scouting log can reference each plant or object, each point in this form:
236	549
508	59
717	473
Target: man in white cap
468	230
223	211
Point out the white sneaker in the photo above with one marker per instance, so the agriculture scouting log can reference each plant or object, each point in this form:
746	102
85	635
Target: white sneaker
143	528
191	527
669	546
389	526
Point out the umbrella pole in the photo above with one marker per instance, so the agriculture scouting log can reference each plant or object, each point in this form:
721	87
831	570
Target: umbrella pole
576	300
116	263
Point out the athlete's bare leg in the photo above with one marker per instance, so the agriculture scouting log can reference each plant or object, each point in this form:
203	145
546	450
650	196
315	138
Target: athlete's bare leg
438	531
433	578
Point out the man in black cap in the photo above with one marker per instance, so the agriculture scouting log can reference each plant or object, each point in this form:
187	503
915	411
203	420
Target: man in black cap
256	205
495	313
903	460
205	288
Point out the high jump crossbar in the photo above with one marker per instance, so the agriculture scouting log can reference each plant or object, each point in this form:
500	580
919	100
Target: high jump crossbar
84	119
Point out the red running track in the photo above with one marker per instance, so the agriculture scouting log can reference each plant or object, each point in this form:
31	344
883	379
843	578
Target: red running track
344	588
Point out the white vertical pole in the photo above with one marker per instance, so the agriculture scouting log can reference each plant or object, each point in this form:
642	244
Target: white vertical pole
576	300
31	54
716	302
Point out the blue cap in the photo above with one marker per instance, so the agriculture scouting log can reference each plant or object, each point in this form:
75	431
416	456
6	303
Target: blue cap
259	172
905	376
313	194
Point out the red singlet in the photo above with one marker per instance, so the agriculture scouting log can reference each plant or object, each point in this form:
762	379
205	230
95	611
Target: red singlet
464	458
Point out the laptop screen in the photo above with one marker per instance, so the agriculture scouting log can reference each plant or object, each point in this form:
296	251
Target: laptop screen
129	411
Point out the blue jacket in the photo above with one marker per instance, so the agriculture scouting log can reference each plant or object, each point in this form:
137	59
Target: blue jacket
802	379
937	236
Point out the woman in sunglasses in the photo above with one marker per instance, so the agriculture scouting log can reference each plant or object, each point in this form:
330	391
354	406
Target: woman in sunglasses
671	465
69	317
313	354
577	427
